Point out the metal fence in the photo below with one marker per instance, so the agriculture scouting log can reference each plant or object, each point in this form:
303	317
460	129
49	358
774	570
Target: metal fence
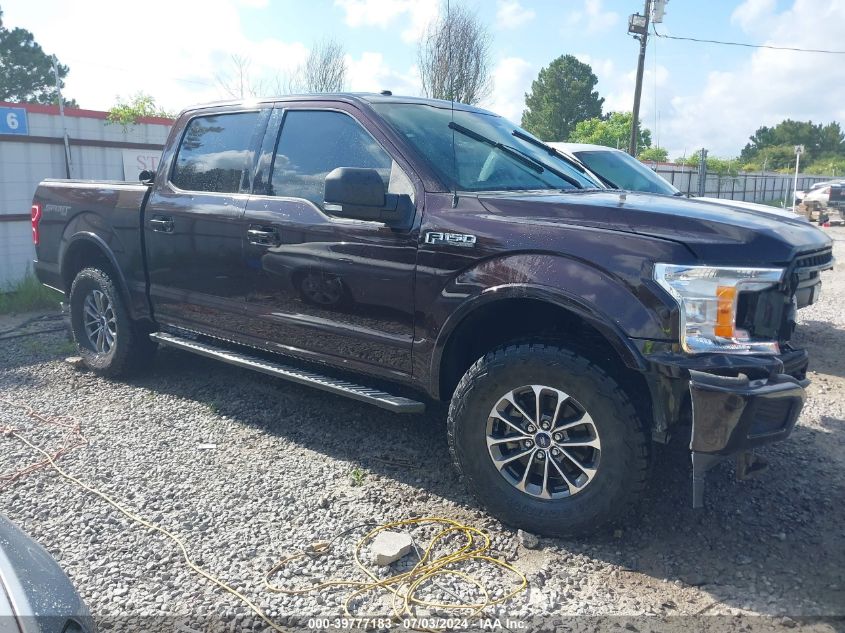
751	187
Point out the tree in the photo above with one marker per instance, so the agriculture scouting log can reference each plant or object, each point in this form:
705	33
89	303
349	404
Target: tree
237	81
654	155
454	57
715	164
324	70
126	113
775	146
26	71
562	95
611	131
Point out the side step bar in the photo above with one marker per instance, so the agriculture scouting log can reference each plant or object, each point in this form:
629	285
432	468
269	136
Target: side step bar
382	399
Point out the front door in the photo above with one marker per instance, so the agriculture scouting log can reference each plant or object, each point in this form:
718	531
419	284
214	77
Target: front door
333	289
192	226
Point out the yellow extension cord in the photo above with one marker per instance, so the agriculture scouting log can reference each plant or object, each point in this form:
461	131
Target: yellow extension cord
403	586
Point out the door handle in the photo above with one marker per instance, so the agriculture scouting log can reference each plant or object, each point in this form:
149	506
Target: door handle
263	236
161	224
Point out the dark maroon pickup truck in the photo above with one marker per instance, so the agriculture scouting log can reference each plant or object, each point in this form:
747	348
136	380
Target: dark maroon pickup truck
399	250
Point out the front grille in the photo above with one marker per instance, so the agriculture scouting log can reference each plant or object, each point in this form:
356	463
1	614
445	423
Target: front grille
818	260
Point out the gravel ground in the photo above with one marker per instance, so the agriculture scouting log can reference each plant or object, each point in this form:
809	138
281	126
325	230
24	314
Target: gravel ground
247	469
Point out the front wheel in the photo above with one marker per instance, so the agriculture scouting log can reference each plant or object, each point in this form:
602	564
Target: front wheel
547	441
109	342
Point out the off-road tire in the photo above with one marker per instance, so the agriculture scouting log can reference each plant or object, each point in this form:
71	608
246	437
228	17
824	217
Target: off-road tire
625	450
132	349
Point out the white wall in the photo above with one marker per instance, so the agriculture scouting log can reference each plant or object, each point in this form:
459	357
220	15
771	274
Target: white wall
24	164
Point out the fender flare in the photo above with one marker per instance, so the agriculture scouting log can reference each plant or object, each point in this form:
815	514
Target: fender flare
100	244
615	336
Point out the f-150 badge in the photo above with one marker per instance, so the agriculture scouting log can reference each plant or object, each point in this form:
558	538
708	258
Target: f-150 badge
455	239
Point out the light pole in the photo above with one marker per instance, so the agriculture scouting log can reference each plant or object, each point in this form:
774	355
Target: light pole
638	27
799	149
653	11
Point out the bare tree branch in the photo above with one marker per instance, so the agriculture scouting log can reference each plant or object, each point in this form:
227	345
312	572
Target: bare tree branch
237	82
454	57
323	71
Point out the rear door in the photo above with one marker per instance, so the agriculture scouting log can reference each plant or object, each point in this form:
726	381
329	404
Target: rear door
325	287
191	222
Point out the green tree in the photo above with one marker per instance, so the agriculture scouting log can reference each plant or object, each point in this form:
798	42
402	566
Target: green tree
654	154
612	131
775	146
562	95
126	113
26	71
716	165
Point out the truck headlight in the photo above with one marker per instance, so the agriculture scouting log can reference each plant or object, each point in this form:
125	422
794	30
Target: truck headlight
707	297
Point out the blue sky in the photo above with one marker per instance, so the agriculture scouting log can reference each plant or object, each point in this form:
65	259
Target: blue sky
693	95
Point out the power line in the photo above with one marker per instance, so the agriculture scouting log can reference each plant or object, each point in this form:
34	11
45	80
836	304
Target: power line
746	45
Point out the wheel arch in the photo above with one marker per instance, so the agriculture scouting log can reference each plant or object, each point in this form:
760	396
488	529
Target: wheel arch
490	320
85	249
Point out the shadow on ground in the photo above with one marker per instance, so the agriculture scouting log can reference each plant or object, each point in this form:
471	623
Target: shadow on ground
762	537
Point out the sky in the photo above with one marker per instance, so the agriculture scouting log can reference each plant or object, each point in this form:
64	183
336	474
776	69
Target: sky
694	95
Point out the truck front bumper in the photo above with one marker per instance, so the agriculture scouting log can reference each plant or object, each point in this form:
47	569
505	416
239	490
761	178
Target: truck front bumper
733	414
737	403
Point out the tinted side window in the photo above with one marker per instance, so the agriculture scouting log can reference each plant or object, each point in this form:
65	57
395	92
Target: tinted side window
313	143
216	153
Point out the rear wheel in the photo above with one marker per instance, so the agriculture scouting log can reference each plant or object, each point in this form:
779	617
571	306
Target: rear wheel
547	441
109	342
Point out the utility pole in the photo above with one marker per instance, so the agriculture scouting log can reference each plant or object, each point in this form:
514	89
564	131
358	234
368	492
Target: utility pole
638	27
68	164
799	149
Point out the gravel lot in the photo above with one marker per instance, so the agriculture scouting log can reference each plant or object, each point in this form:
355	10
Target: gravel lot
247	469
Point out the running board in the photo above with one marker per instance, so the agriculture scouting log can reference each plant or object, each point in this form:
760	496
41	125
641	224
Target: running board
382	399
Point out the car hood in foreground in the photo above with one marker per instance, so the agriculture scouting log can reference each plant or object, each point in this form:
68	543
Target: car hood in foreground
33	588
714	233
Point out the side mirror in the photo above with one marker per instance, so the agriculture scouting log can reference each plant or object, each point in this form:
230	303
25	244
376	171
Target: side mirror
360	194
147	176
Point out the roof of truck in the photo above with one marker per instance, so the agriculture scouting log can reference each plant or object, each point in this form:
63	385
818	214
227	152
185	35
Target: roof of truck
349	97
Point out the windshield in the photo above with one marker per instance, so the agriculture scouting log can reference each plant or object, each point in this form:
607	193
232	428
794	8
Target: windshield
486	155
625	171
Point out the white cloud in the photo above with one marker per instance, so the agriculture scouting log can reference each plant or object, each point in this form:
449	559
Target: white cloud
593	18
510	14
512	78
753	15
174	64
383	13
769	86
370	73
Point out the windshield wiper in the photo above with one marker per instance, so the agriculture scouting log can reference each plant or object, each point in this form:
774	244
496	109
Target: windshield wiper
548	149
514	153
576	164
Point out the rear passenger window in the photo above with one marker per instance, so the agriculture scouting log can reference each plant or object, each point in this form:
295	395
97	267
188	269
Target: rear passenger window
314	142
216	153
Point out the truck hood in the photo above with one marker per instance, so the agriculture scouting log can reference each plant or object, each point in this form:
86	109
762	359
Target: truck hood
714	233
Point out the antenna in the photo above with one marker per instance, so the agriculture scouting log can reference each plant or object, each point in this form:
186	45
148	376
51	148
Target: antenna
451	94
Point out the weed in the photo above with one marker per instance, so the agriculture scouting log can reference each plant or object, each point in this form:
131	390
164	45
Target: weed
28	295
357	476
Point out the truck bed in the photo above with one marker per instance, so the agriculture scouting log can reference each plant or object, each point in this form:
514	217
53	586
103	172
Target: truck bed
108	211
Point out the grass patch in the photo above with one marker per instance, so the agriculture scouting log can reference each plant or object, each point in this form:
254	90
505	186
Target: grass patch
357	476
28	295
49	347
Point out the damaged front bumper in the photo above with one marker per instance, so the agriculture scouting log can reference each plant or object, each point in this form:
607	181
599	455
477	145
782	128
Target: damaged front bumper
731	415
736	404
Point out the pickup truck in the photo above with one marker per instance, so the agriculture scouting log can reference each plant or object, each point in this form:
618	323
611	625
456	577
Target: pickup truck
404	251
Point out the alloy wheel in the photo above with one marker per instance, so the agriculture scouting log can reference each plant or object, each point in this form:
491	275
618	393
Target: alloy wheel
99	321
543	442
